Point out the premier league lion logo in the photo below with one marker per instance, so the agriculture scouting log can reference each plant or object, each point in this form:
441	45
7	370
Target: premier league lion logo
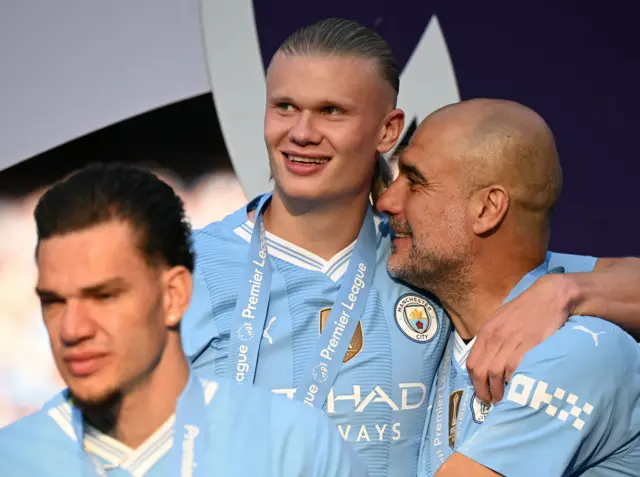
320	373
245	332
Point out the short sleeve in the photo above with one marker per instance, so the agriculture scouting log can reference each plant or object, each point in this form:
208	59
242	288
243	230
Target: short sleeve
571	263
561	407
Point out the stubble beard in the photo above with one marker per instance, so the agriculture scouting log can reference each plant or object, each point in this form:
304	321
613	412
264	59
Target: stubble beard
445	275
100	410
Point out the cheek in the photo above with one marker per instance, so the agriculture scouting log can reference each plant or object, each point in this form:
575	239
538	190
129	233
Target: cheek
53	330
455	226
140	348
420	216
140	324
275	129
350	137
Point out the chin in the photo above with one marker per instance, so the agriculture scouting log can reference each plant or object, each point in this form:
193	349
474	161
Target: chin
399	258
92	392
395	266
303	188
98	398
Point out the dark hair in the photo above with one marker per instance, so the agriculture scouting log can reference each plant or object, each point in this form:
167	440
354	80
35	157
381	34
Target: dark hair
341	37
100	193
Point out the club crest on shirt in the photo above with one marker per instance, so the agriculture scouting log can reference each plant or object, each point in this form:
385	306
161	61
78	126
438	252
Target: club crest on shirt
479	410
454	408
416	318
357	341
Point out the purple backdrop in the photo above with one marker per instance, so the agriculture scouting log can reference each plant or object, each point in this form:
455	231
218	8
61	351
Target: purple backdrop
576	64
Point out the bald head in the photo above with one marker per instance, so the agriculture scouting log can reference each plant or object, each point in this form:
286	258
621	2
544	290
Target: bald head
471	206
500	142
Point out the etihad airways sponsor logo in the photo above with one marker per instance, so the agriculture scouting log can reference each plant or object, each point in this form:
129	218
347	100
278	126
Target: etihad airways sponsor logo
359	399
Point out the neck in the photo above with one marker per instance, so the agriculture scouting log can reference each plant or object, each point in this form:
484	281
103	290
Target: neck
323	229
492	279
148	404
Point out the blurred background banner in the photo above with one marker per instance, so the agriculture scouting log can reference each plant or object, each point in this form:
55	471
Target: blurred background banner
178	86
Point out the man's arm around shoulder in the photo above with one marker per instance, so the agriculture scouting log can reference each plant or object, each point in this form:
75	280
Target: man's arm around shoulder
557	408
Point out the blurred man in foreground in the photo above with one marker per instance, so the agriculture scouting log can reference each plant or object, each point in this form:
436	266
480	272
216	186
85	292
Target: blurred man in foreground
114	279
471	213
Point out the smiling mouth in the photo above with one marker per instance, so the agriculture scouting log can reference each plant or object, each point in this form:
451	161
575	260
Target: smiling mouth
306	160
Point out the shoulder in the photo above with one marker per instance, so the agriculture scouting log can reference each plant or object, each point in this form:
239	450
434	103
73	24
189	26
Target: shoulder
36	433
571	263
587	355
230	226
30	445
589	340
215	231
27	426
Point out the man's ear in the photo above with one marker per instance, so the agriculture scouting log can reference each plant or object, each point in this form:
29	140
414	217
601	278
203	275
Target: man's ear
178	286
391	130
489	207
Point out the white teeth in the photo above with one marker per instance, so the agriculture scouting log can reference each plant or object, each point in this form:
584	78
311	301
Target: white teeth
307	160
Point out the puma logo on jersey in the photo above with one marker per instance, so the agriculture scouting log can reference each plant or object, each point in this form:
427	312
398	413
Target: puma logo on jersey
265	333
588	331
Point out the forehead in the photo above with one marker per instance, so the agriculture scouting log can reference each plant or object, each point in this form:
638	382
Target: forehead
84	258
434	147
309	77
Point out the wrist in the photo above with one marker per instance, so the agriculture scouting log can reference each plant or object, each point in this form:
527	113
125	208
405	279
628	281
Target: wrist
565	291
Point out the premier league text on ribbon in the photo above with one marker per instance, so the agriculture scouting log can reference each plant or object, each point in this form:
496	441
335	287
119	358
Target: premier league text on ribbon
188	453
248	311
327	353
439	439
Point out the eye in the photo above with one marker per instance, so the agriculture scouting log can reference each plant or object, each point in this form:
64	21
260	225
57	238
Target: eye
412	181
106	295
332	110
285	107
49	301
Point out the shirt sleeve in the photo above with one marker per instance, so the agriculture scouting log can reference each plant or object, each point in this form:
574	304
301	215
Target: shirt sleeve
563	408
571	263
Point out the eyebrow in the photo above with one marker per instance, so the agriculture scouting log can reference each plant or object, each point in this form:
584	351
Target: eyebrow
323	103
411	170
276	98
116	282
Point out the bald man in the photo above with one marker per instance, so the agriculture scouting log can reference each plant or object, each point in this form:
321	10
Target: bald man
471	212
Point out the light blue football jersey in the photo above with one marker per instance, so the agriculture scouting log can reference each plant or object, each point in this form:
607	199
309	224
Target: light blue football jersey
379	399
572	407
230	431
